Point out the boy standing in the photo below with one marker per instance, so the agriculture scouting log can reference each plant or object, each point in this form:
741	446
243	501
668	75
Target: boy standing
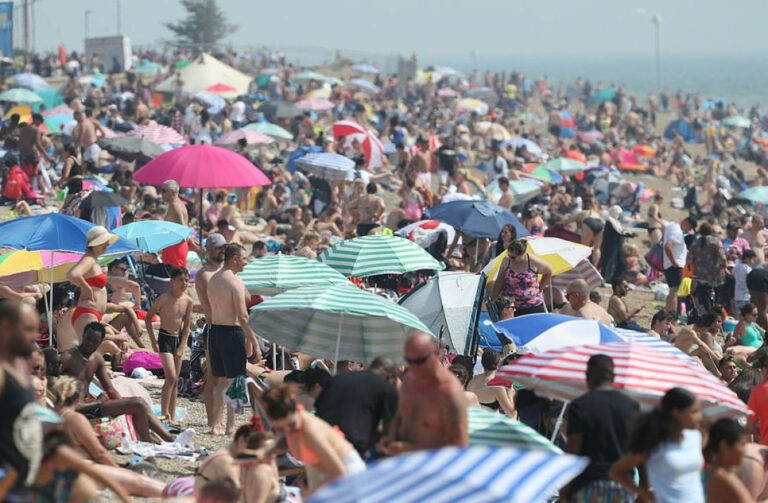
175	311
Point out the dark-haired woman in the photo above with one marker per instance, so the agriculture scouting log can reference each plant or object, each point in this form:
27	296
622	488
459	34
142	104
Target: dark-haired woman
323	448
518	279
668	443
725	451
492	398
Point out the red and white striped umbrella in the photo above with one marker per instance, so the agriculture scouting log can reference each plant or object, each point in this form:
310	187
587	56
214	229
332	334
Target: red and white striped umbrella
314	104
250	137
372	147
583	270
158	134
644	373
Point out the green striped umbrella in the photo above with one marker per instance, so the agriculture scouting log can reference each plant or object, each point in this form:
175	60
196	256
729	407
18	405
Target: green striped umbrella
498	430
275	274
335	321
372	255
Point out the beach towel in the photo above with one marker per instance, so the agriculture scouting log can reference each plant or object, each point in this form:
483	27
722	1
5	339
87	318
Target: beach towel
149	361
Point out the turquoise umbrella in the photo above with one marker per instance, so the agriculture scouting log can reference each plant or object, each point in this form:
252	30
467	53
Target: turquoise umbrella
55	122
755	194
269	129
20	95
149	67
602	96
153	235
737	121
564	166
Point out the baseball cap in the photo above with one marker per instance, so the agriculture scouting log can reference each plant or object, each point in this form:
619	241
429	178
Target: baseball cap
215	240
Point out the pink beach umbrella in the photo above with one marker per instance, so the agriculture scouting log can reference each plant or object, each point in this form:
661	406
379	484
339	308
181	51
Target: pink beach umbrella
314	104
251	138
59	110
202	166
447	92
371	145
158	134
220	88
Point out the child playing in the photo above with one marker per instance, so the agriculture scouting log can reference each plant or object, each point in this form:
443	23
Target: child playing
175	311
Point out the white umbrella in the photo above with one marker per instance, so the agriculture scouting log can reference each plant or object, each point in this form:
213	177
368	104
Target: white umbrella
365	85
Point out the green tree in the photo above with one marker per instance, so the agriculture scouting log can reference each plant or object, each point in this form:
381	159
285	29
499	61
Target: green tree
204	25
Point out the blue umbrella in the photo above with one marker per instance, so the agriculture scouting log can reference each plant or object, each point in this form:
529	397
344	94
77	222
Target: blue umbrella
299	153
535	333
365	68
754	194
460	475
154	235
328	165
54	232
479	219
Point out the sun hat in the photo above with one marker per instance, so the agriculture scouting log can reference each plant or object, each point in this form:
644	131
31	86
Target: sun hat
98	235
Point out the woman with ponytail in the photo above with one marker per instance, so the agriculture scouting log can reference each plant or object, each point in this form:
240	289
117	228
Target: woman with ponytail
668	443
725	451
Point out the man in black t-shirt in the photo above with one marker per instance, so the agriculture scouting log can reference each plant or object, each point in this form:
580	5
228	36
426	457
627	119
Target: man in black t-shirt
447	160
598	423
359	402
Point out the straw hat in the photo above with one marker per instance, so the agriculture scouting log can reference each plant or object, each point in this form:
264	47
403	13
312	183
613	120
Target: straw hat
98	235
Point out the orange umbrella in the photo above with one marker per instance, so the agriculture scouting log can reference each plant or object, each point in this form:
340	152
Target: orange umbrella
644	150
576	155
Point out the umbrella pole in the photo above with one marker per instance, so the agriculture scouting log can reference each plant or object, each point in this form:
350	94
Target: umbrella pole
559	421
282	356
338	345
50	307
274	356
200	218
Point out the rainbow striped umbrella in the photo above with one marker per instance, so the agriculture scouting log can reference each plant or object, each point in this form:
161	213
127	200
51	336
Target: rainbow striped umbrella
41	262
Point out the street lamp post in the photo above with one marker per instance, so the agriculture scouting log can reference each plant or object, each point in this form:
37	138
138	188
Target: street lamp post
656	20
87	31
119	21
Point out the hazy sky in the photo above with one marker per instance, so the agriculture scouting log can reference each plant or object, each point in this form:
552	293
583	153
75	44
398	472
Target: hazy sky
437	28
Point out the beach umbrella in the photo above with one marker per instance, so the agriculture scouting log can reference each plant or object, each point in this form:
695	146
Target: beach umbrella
151	236
543	174
158	134
425	232
24	112
269	129
314	104
738	121
322	92
20	95
644	373
473	105
149	67
365	68
131	148
274	274
755	194
523	190
39	262
374	255
336	321
61	109
55	122
484	93
603	183
373	150
498	430
590	137
105	199
457	475
213	102
447	71
365	85
583	270
537	333
447	92
310	75
682	128
251	138
564	166
220	88
202	166
530	146
644	150
449	304
602	96
656	343
328	165
279	110
29	80
480	219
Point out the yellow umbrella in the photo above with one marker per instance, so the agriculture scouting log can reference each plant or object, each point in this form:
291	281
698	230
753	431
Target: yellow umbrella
40	262
24	111
473	105
559	254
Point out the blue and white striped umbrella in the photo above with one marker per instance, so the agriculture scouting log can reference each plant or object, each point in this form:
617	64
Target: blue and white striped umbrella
536	333
654	342
460	475
365	85
327	165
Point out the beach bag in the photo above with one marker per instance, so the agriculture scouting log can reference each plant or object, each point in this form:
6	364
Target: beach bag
655	257
112	431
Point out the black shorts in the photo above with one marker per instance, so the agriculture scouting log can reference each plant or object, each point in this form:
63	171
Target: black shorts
539	308
226	351
757	280
674	276
75	186
166	342
364	229
91	410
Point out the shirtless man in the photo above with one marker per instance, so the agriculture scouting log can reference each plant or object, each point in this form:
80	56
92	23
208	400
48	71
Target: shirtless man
618	308
757	237
507	199
214	247
370	208
30	144
175	255
86	134
420	164
432	412
698	340
227	348
83	362
580	306
175	311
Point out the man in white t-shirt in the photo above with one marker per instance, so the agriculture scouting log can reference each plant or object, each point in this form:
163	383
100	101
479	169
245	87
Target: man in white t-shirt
741	270
675	253
237	114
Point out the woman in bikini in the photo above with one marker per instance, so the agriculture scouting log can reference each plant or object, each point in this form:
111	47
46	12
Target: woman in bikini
592	225
88	276
325	451
492	398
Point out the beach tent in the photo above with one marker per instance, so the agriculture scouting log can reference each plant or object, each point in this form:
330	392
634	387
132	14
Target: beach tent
681	127
207	71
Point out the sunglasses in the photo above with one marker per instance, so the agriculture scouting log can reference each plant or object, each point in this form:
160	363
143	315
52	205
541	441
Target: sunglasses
418	361
38	368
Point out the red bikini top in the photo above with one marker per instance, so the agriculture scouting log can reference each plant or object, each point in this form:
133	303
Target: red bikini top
99	281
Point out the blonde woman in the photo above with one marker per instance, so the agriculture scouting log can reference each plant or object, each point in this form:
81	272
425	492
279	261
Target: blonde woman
308	244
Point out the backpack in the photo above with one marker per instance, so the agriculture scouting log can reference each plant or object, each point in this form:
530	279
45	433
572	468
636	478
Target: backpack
14	184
